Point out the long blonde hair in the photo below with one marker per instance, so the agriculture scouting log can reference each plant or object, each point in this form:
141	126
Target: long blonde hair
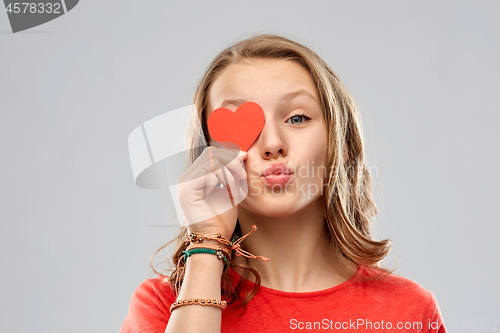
349	207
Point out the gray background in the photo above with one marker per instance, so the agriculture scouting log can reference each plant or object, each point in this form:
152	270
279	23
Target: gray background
77	233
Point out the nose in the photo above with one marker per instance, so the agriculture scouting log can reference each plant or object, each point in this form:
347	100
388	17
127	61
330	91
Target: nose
272	143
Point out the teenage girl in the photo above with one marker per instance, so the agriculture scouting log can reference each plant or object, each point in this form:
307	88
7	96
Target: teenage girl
310	261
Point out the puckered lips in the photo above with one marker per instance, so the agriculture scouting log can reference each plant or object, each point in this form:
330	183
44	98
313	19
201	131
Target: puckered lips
277	175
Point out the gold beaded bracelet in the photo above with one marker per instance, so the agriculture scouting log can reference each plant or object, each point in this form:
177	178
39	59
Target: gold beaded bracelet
213	302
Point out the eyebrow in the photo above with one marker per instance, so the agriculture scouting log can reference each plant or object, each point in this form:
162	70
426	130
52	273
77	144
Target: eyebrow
285	98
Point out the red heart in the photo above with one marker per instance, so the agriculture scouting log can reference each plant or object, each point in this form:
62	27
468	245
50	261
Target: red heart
242	127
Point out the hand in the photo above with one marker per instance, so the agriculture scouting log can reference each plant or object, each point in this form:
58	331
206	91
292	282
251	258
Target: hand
209	209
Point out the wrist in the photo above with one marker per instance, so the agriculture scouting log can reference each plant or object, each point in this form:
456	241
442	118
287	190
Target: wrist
206	263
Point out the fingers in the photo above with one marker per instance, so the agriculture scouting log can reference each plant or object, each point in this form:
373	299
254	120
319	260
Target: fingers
233	160
221	179
199	196
234	163
211	180
200	182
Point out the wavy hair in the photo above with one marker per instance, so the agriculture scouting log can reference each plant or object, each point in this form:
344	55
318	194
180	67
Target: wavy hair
349	208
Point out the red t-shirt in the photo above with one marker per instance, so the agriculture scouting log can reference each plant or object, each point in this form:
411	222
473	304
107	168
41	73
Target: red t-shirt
393	304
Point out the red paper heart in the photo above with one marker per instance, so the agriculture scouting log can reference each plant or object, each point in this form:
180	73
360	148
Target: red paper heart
242	127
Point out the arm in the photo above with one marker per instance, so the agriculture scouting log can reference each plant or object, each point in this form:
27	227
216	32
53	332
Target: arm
202	279
149	308
206	211
437	323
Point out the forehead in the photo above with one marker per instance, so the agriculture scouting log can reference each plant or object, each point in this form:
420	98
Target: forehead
263	81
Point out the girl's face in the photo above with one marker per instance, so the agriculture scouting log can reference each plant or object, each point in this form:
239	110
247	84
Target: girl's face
286	164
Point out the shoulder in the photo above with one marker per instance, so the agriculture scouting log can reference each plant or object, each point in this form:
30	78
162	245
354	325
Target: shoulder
157	290
397	289
158	283
396	284
149	306
401	297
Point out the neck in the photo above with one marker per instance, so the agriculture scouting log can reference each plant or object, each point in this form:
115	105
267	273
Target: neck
301	257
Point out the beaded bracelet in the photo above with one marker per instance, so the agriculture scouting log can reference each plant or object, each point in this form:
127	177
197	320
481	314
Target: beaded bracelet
220	304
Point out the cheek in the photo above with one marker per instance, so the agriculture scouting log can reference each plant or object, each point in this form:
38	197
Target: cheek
312	169
252	168
321	146
253	174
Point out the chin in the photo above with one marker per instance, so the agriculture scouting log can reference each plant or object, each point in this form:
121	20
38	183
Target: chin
271	205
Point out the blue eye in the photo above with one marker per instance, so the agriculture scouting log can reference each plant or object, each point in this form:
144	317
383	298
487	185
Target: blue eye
297	119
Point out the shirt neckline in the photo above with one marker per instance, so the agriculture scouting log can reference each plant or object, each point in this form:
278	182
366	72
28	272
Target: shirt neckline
306	294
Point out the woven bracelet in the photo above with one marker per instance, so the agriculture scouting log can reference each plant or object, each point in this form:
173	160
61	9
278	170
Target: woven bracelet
221	249
207	251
